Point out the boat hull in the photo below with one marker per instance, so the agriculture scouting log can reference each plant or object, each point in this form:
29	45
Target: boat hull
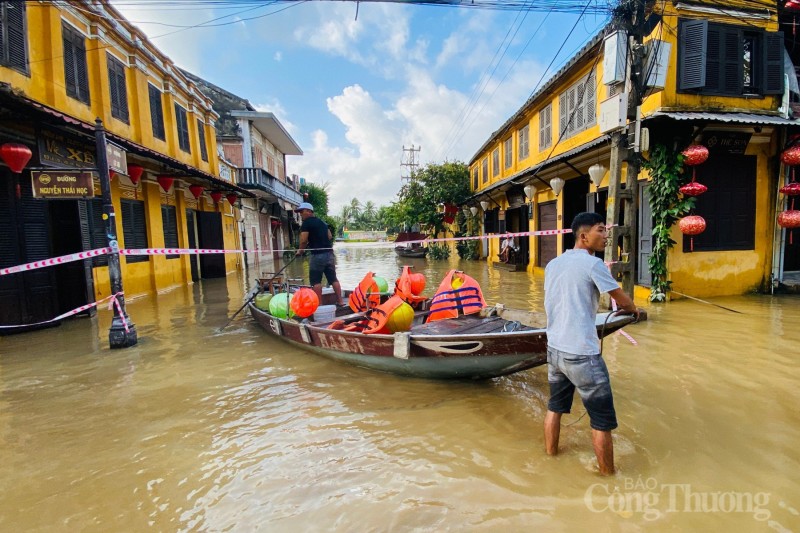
442	356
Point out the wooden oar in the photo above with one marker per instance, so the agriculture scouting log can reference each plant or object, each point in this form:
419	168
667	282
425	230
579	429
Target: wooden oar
255	292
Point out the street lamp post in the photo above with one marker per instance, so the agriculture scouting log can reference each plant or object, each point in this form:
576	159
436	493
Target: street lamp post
123	331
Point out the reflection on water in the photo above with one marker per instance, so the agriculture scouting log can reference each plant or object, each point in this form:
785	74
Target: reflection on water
195	429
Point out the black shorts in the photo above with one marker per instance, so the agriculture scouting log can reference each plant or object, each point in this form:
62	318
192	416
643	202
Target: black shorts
319	264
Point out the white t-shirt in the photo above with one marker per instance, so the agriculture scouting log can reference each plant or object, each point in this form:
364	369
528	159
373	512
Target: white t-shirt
573	282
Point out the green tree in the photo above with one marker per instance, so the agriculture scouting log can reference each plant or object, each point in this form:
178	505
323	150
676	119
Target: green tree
420	199
316	195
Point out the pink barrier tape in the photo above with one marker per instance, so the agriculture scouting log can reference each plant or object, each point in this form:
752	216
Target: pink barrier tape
115	301
183	251
54	261
614	308
75	311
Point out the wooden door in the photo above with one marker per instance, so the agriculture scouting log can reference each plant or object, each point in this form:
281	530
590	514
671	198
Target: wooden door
547	244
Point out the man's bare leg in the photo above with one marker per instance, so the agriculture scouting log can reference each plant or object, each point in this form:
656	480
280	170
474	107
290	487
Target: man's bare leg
318	289
337	289
552	431
604	450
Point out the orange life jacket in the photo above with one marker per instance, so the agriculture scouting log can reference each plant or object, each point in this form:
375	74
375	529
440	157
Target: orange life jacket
450	302
374	320
366	295
402	287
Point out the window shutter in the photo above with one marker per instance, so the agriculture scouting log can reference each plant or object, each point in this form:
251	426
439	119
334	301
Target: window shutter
156	113
15	17
117	88
580	97
731	61
773	63
113	86
70	77
714	59
563	113
81	71
590	113
692	56
170	226
134	228
201	134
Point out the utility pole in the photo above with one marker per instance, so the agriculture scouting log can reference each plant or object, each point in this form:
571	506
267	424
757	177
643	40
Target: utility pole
410	162
629	17
123	332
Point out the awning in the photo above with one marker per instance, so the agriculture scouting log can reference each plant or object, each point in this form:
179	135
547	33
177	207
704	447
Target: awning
130	146
529	172
734	118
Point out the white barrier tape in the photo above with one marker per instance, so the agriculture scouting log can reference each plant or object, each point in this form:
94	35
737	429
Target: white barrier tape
75	311
54	261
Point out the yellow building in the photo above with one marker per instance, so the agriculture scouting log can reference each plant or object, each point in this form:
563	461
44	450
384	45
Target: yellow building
712	76
62	67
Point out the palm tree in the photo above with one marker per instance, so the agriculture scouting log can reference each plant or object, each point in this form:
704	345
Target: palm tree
355	208
345	216
369	212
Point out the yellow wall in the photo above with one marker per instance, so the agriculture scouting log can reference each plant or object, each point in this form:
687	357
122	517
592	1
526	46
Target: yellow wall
145	64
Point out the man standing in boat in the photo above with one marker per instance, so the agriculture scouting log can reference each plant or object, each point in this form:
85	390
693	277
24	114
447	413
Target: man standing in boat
573	283
317	238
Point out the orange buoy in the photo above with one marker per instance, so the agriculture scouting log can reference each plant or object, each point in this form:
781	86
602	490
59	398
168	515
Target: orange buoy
304	302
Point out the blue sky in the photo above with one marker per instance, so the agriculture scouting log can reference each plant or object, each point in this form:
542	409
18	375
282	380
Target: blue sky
353	92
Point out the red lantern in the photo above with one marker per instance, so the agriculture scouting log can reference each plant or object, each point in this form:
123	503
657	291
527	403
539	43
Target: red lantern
16	156
791	156
792	189
695	155
692	225
196	190
216	196
304	302
232	199
789	219
135	173
693	189
165	182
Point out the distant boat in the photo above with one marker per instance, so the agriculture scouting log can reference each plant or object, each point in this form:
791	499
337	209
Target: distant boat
404	248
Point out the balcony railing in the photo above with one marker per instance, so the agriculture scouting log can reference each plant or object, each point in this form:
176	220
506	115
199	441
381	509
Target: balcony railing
261	180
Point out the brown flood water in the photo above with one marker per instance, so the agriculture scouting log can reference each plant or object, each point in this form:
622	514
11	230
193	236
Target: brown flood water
198	430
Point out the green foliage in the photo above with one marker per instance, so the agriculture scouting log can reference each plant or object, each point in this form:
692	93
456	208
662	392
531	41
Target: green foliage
667	205
318	197
438	251
436	184
468	250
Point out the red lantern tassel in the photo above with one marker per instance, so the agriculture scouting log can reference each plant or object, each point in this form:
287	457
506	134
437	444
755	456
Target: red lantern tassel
694	173
691	244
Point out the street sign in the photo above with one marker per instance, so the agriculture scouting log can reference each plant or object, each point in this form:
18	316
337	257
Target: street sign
62	184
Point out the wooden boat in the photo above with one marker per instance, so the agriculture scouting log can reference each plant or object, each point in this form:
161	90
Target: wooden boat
495	342
403	248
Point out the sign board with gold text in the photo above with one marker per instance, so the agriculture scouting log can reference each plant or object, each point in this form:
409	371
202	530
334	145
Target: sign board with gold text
62	184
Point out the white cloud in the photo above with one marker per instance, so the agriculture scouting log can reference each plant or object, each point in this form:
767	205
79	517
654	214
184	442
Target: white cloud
185	47
278	56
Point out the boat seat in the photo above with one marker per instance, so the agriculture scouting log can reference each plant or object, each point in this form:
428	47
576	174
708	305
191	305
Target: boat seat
271	284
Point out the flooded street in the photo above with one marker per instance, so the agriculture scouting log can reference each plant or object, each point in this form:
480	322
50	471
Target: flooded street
198	430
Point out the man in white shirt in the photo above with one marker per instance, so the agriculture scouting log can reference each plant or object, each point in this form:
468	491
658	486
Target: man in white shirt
572	284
